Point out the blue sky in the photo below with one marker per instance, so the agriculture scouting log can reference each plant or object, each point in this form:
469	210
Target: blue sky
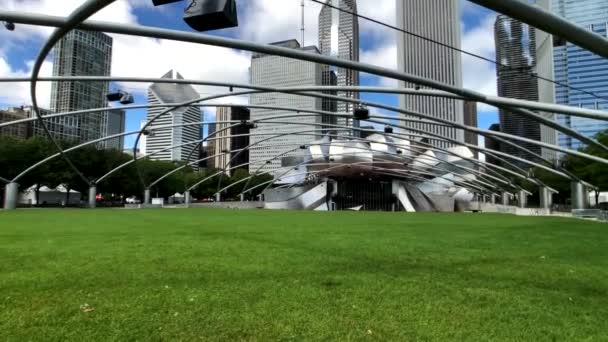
262	21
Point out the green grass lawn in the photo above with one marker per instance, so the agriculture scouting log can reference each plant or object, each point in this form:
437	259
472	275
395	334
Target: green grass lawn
149	275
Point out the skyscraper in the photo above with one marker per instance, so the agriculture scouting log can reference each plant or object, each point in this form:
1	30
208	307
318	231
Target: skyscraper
115	124
438	20
276	71
581	69
516	54
470	119
162	93
81	53
233	139
339	37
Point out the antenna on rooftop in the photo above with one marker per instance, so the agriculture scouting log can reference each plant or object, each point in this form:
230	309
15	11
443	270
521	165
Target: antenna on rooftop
302	29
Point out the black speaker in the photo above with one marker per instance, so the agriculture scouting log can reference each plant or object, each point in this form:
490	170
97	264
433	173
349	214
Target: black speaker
207	15
388	129
115	96
361	113
163	2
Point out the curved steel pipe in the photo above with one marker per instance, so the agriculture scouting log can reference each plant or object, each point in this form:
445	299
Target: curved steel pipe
136	30
79	15
492	100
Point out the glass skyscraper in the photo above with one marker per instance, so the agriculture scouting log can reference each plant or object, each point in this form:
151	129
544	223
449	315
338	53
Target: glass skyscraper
81	53
581	69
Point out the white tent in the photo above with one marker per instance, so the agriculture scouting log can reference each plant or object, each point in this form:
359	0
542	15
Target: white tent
176	198
49	196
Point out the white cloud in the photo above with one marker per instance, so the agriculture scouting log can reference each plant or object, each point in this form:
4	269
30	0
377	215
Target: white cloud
18	94
267	21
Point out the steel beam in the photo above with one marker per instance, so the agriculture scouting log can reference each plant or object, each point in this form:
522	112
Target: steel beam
550	23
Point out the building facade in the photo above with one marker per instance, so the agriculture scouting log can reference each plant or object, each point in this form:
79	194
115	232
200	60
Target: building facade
516	56
233	140
470	119
115	125
175	143
210	146
438	20
18	131
276	71
581	69
492	145
339	37
81	53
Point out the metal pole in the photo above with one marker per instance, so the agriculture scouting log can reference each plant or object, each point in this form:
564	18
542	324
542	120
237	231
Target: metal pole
11	196
506	198
550	23
522	199
546	198
147	196
187	198
218	197
92	196
493	198
578	196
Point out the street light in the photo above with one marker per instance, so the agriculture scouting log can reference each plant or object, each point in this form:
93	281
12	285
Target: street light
207	15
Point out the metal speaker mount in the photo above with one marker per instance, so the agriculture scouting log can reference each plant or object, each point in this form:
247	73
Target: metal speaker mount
207	15
163	2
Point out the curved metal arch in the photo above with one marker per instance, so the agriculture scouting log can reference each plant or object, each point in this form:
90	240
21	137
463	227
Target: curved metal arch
509	171
79	146
454	125
290	168
466	186
549	22
79	15
215	155
383	161
446	123
506	181
402	157
159	33
136	30
533	180
252	106
492	134
463	185
492	100
367	149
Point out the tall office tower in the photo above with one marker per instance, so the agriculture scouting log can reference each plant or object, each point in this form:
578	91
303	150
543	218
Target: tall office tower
81	53
546	90
339	37
581	69
276	71
115	125
174	143
493	145
231	139
516	54
211	129
438	20
470	119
